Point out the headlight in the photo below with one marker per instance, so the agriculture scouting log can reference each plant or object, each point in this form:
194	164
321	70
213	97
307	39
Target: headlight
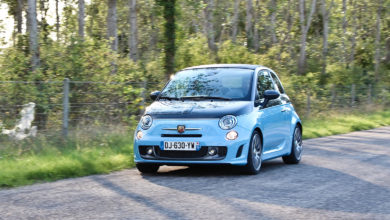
227	122
146	122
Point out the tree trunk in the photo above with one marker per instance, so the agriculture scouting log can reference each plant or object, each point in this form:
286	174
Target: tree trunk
169	14
133	35
57	21
112	25
377	41
304	31
32	27
249	23
154	29
256	18
325	20
81	18
387	58
209	25
273	21
353	38
344	26
19	16
43	24
235	20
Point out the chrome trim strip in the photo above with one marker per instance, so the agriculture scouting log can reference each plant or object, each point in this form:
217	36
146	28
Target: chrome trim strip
187	129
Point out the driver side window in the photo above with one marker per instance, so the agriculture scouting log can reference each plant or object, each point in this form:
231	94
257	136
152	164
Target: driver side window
264	82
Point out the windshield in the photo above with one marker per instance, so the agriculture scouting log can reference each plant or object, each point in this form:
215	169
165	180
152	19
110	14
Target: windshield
210	83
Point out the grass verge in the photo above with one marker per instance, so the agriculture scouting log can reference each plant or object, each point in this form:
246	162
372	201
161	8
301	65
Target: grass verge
344	123
51	158
95	151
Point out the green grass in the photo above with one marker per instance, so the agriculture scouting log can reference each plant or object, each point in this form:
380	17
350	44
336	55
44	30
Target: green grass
48	159
344	123
95	151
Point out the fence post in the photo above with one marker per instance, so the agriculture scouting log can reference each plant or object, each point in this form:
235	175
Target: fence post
353	94
143	95
308	103
65	108
333	96
369	94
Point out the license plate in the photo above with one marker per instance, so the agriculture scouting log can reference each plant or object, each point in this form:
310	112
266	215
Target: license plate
181	145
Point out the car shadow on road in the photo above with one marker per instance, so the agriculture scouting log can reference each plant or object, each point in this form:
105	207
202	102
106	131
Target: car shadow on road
139	198
213	170
300	186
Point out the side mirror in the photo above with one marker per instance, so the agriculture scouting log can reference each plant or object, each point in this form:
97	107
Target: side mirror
154	95
269	95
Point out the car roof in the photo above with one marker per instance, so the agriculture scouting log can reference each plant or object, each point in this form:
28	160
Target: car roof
240	66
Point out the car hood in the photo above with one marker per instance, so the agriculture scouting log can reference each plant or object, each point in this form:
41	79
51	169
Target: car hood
198	109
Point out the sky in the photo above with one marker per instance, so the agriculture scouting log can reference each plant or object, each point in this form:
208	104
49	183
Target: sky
7	22
6	26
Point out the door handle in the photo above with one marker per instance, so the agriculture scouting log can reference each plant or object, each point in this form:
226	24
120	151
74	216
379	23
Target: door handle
284	109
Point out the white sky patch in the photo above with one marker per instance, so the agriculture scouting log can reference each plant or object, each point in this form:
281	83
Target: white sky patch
7	21
6	26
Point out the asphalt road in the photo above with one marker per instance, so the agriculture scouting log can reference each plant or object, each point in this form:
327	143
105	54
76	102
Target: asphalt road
340	177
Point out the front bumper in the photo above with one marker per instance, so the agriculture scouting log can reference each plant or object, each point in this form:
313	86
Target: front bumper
209	136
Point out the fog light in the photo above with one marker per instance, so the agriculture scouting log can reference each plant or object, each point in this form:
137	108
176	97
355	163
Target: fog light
139	134
232	135
212	151
149	150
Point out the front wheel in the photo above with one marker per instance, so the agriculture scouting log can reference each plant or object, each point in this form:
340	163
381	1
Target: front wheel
254	155
147	167
296	148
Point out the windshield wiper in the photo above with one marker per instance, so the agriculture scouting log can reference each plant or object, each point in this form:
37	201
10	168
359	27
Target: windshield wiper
168	98
205	97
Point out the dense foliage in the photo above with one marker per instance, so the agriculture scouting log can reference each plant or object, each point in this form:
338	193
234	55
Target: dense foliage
344	42
352	39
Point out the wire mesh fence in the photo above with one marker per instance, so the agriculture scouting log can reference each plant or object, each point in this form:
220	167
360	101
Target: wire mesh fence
64	106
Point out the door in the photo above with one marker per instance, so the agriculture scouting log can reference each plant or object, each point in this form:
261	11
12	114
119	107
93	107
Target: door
272	117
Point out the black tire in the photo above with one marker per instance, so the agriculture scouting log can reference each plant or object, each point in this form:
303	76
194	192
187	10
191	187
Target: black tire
147	167
255	153
296	148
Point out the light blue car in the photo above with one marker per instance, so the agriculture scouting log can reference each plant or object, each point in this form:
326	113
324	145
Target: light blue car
234	114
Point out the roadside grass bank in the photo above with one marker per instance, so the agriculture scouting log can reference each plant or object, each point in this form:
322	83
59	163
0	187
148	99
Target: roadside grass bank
48	157
341	123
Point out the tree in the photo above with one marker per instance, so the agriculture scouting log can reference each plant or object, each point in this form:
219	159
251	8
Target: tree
19	16
305	25
81	18
169	14
377	40
344	36
325	20
57	21
209	25
133	35
256	20
32	30
112	25
249	23
273	21
44	26
235	20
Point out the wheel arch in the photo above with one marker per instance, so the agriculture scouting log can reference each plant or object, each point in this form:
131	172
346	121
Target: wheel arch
299	124
261	133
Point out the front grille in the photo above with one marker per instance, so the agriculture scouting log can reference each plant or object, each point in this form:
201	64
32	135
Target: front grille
181	135
201	154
